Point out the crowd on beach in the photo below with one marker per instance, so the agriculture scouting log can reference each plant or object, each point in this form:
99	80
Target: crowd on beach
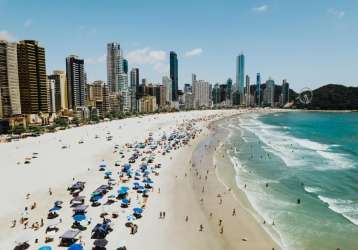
126	187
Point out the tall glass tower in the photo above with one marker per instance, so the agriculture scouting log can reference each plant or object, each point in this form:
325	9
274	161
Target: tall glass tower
240	75
174	74
258	89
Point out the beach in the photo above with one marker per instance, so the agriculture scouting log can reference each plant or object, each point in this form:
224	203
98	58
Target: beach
45	166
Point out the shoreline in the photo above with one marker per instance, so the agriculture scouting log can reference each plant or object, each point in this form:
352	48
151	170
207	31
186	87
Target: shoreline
250	236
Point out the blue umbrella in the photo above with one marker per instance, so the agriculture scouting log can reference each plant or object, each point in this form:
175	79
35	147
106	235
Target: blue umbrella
125	201
102	165
137	174
79	217
108	173
45	248
54	209
137	210
76	246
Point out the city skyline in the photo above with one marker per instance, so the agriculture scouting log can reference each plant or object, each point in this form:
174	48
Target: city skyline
266	40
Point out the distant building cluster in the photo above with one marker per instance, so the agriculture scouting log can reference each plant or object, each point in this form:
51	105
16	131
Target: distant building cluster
28	95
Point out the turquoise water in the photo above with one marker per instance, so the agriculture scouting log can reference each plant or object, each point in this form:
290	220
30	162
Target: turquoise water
307	156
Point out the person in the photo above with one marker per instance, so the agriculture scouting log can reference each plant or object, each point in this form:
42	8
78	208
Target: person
233	212
14	223
222	230
160	215
220	222
42	222
186	218
164	214
201	228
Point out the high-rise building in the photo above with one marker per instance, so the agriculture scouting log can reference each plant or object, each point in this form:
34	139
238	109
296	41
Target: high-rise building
216	94
174	75
9	80
134	85
285	94
240	75
193	78
75	82
114	66
269	93
258	89
34	93
61	98
167	82
248	94
229	88
52	94
201	92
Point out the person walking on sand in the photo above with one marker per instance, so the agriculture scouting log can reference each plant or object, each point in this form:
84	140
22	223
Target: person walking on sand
160	215
201	228
186	218
222	230
234	212
164	214
220	222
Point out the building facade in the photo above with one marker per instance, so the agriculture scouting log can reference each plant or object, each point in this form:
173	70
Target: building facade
76	82
34	93
10	104
240	76
174	75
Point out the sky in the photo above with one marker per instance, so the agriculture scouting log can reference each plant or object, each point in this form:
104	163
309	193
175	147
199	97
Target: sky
308	42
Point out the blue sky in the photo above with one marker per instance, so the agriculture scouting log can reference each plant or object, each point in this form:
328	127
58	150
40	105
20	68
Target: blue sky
308	42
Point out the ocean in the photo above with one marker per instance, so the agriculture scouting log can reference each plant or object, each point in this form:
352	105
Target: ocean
299	170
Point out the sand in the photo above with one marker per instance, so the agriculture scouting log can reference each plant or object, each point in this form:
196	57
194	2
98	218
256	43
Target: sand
179	196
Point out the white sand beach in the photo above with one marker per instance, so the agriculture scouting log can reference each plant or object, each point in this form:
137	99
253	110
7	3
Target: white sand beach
57	160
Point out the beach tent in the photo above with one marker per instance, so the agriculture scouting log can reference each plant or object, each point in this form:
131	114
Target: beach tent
76	246
80	209
69	237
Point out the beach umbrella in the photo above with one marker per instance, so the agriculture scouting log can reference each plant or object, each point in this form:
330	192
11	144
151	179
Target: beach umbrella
45	248
54	209
79	217
76	246
137	210
108	173
125	201
102	165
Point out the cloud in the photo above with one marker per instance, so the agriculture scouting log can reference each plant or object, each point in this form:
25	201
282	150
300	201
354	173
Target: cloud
96	60
260	9
7	36
193	52
147	56
336	13
28	23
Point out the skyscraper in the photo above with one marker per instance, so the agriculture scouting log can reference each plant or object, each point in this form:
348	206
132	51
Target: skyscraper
9	80
34	93
75	82
114	65
258	89
125	66
248	94
240	76
167	82
285	98
269	93
174	75
201	92
61	98
134	88
229	88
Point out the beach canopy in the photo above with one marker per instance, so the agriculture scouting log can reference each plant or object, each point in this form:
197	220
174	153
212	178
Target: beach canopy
79	217
137	210
54	209
100	242
70	234
45	248
125	201
81	208
76	246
